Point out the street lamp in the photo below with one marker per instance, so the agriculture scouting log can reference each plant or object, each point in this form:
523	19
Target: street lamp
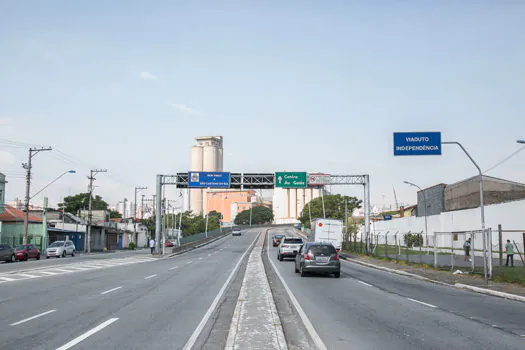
425	205
521	141
52	182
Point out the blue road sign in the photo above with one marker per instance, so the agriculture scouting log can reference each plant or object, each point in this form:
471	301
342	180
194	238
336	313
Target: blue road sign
417	143
387	217
205	179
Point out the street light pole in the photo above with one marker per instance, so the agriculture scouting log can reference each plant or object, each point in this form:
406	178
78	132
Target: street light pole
32	153
137	189
521	141
91	179
52	182
482	204
425	204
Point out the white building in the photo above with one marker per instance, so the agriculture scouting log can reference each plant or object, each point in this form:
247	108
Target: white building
289	202
206	155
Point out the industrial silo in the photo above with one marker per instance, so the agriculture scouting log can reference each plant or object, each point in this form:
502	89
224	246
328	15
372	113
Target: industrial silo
196	165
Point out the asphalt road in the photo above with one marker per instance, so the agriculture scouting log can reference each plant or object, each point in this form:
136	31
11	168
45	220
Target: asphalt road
157	304
371	309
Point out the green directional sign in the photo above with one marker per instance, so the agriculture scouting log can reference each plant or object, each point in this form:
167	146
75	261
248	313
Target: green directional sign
290	180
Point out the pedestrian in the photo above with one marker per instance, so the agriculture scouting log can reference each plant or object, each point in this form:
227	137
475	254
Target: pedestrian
509	249
466	247
152	245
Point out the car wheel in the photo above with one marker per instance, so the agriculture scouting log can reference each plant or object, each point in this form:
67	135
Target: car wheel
38	256
26	257
47	257
303	273
295	268
337	274
73	253
64	254
280	257
13	258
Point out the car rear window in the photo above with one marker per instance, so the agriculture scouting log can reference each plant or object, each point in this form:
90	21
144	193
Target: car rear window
322	249
293	240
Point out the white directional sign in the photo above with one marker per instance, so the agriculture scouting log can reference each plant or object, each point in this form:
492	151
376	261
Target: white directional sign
318	179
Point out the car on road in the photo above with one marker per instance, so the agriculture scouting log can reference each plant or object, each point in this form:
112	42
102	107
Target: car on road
289	247
319	258
276	239
27	251
169	244
60	249
236	231
7	253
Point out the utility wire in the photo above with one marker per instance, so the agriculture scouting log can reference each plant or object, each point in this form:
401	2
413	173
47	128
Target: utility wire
504	160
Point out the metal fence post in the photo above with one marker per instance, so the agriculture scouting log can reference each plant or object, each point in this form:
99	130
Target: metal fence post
406	247
500	242
396	246
472	250
420	242
435	250
452	251
386	244
489	245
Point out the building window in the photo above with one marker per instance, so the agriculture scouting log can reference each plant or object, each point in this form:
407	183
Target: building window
454	236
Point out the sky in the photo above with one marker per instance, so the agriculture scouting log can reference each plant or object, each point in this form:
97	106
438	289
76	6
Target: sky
292	85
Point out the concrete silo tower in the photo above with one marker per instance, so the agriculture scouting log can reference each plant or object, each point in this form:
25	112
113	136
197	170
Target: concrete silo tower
206	155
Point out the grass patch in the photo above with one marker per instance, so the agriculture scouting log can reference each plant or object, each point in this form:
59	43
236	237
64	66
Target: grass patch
510	275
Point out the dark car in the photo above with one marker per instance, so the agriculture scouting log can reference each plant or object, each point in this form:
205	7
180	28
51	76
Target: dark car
26	252
276	239
318	257
7	253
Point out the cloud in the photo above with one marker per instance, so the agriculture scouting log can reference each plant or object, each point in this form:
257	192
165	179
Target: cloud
148	76
6	121
184	108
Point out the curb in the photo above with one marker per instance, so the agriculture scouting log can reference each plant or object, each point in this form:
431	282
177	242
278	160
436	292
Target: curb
196	246
490	292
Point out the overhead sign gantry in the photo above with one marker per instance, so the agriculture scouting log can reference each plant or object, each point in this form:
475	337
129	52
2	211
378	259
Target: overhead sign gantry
223	180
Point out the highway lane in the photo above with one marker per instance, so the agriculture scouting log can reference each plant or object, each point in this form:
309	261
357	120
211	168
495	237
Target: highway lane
43	262
369	309
153	305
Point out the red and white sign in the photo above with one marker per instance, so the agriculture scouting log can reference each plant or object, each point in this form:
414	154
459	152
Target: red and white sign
318	179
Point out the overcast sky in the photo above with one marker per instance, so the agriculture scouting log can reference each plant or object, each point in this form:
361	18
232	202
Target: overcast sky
291	85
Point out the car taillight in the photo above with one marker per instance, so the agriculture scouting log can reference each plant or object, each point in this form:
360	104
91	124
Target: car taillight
307	256
336	256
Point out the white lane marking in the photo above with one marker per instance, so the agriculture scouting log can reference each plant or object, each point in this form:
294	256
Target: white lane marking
366	284
422	303
111	290
49	273
27	275
209	254
87	334
173	268
189	262
201	258
150	276
308	325
62	270
213	306
7	279
32	318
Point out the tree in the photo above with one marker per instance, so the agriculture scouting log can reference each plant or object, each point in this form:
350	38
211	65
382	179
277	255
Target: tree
260	215
80	201
113	214
334	208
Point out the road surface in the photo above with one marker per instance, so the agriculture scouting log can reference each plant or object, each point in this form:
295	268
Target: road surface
371	309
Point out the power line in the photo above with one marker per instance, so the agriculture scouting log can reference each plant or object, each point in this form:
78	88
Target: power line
504	160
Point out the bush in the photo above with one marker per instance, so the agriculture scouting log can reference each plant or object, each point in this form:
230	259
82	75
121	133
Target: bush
131	246
413	240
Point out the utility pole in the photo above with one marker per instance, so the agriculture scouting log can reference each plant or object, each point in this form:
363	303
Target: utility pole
142	207
137	189
91	179
27	166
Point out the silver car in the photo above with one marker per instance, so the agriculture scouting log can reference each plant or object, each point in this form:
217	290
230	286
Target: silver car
236	231
7	253
289	247
60	249
318	257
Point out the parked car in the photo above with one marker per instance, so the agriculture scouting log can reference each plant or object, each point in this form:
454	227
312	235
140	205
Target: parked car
26	252
60	249
276	239
7	253
236	231
289	247
318	257
169	244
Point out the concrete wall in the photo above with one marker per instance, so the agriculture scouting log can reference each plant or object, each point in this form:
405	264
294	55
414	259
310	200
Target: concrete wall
510	215
433	196
465	195
289	203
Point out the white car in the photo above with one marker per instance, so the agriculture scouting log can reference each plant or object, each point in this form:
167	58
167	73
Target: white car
60	249
236	231
289	247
